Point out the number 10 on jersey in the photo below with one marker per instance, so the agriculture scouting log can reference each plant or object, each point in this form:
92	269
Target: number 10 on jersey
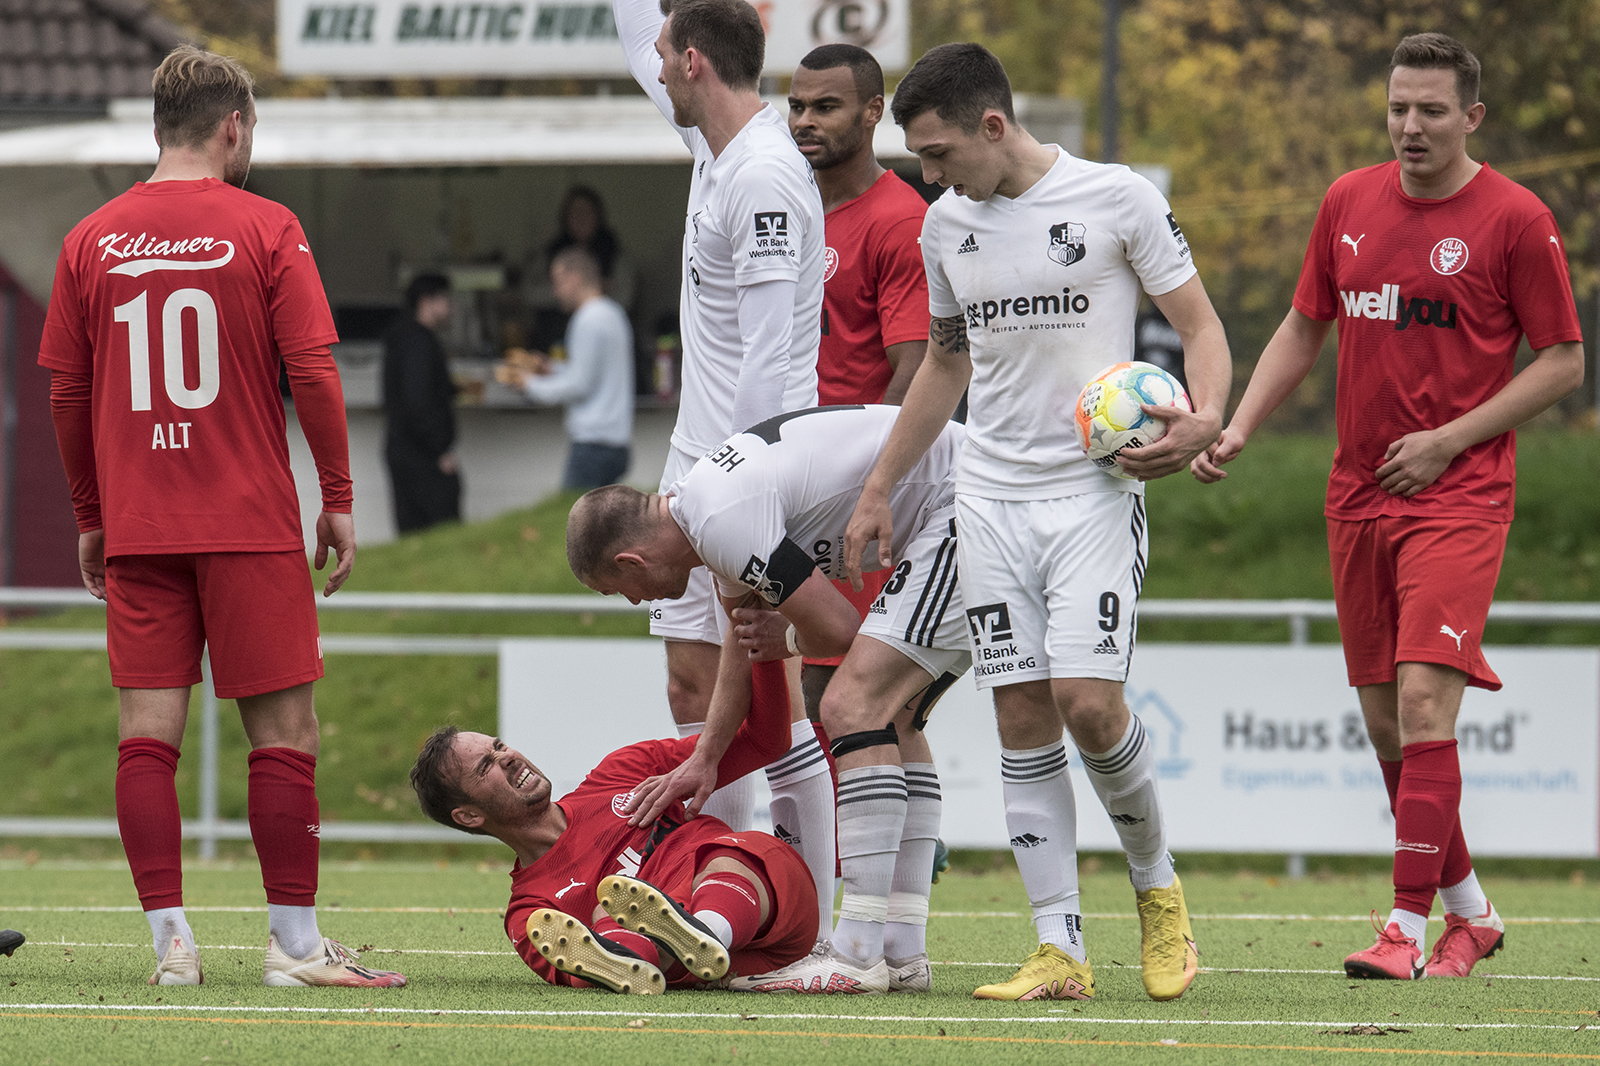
136	313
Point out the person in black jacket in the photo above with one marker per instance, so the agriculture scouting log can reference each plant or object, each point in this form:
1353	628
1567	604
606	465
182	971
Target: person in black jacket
419	399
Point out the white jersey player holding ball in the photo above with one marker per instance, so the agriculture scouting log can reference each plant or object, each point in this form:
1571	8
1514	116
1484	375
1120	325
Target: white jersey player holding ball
751	305
1036	262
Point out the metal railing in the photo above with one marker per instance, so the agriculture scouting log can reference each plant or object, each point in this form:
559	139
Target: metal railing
208	828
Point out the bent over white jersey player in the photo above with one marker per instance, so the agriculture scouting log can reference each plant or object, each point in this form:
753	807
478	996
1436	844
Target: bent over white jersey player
751	304
766	513
1036	262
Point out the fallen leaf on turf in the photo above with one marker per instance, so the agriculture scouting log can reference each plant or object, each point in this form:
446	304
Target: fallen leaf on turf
364	947
1363	1030
941	1032
1316	943
638	1023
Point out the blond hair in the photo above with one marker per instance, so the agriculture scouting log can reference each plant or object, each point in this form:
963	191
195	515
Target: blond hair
195	91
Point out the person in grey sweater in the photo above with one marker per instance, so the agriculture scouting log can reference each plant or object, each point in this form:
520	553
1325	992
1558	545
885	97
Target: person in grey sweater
595	382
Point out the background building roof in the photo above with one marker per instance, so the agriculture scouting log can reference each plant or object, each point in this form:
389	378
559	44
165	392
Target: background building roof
75	55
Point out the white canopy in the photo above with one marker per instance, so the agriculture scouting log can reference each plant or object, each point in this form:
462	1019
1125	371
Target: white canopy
467	131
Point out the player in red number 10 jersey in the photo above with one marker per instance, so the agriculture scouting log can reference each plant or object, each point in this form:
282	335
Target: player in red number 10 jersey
174	306
1435	268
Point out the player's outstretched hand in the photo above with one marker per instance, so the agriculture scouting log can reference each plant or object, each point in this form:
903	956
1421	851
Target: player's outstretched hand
870	522
1414	462
1187	435
92	561
763	635
1207	466
336	531
693	778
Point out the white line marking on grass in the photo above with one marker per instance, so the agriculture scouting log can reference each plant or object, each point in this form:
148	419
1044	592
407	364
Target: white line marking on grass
508	954
260	910
1055	1019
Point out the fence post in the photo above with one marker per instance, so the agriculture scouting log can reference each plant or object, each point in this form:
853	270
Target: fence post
1299	629
208	762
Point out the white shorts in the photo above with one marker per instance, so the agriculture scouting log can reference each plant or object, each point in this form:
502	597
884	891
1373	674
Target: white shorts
1051	586
919	612
697	614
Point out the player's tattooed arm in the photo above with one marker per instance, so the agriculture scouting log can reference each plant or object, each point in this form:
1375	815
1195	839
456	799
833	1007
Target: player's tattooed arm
950	333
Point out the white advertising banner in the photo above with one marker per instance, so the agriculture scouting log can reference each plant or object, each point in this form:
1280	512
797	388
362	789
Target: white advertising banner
1259	747
539	39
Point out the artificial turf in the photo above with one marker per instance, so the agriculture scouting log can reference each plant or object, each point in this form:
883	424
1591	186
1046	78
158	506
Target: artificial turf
1272	990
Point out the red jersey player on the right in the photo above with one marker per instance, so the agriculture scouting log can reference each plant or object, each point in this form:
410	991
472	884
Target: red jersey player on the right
1435	267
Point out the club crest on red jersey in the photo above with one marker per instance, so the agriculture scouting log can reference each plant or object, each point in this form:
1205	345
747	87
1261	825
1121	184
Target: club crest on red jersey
830	263
1449	256
619	804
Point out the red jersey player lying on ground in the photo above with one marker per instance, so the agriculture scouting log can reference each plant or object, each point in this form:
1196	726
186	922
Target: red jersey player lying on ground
595	900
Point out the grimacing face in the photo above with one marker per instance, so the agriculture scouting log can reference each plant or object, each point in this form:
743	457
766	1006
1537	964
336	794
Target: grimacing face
640	582
972	164
498	780
827	116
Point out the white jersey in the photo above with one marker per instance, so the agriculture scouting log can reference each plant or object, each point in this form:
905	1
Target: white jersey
754	215
772	503
1049	284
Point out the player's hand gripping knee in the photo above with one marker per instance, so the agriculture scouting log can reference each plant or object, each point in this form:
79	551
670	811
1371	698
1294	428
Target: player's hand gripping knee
1207	466
336	531
763	635
694	778
870	522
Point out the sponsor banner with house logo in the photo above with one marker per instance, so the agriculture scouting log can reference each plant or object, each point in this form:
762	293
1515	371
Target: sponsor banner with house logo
538	38
1258	747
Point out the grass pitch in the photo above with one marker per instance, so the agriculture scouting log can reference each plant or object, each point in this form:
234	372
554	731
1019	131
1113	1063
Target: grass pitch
1272	990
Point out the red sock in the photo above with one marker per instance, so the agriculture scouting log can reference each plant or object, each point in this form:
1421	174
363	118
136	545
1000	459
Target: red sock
734	897
147	815
1427	815
284	824
833	775
637	943
1457	860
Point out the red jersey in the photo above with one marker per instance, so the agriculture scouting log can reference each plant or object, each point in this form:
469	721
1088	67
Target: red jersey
1432	298
180	299
599	842
874	292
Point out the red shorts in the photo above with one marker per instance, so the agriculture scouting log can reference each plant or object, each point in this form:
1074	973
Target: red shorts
792	929
255	611
871	585
1415	590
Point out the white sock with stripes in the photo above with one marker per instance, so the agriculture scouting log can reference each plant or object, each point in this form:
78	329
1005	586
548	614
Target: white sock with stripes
802	812
906	935
1042	819
733	803
1125	780
872	818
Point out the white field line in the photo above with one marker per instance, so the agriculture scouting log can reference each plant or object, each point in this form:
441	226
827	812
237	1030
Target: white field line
797	1016
1098	915
508	954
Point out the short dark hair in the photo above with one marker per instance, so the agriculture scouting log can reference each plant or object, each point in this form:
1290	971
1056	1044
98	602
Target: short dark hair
602	520
434	778
579	260
1436	51
195	91
727	32
957	82
423	285
863	66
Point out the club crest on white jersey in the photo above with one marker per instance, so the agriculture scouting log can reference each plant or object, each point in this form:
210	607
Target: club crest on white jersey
1067	243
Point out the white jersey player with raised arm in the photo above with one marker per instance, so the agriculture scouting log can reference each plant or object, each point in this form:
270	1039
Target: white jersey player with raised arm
1049	285
749	349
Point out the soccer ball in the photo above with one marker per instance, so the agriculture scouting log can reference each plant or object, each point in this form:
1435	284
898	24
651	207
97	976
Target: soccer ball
1109	418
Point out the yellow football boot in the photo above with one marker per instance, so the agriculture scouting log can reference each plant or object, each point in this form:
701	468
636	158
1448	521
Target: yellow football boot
1167	947
1048	973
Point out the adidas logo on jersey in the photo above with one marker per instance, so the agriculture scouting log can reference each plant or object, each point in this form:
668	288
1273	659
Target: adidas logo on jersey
1387	305
968	245
1028	840
1106	647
